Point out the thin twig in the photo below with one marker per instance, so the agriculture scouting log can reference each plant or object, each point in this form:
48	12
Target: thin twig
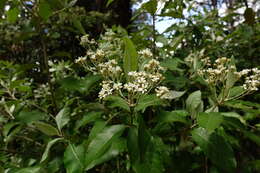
154	35
45	56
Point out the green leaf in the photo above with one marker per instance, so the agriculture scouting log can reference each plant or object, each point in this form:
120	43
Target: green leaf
154	158
46	128
210	121
255	138
173	116
72	3
10	130
231	80
174	14
35	169
216	149
117	102
47	149
88	83
62	118
175	94
175	43
82	85
236	91
45	10
130	57
77	24
12	14
118	145
172	64
109	2
150	6
193	102
2	5
146	101
101	143
249	15
132	145
143	138
97	128
30	116
87	118
235	115
74	158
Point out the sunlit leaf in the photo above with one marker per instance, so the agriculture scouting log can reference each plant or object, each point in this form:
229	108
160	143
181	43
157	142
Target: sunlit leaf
46	128
130	57
63	117
74	158
210	121
48	147
216	148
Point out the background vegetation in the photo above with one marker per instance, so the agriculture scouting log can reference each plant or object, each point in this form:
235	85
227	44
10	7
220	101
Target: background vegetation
53	117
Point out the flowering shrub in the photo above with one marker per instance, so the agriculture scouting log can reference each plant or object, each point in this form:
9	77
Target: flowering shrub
133	102
105	59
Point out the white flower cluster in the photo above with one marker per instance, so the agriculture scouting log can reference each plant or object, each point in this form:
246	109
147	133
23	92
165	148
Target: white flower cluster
163	92
153	66
146	53
80	59
110	69
84	40
41	91
219	74
252	82
109	87
138	82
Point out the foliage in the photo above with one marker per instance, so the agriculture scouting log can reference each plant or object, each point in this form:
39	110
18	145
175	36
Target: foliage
180	101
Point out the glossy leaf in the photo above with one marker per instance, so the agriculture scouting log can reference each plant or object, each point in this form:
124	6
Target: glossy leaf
130	57
30	116
101	143
146	101
132	145
97	128
117	102
150	6
46	128
193	102
77	24
62	118
12	14
35	169
144	138
74	158
88	118
118	145
173	116
210	121
216	149
48	147
45	10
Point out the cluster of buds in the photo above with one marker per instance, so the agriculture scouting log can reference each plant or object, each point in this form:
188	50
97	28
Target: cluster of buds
163	92
145	53
110	69
85	41
252	82
42	90
218	74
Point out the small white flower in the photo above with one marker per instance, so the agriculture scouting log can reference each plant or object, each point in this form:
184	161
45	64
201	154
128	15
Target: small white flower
146	53
80	59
